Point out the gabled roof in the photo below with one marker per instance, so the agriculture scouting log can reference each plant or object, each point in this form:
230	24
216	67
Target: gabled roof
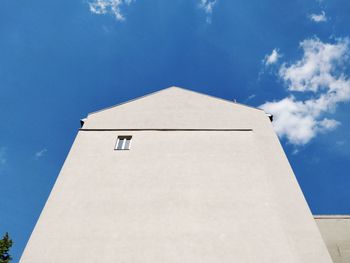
174	108
172	88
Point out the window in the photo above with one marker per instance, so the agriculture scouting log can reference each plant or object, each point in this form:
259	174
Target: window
123	143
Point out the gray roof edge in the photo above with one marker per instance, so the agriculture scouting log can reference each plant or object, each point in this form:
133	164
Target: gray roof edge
332	216
165	89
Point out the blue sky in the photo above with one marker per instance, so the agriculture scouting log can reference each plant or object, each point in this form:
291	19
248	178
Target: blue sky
60	60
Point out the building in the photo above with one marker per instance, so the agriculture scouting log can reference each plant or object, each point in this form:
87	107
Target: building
176	176
335	230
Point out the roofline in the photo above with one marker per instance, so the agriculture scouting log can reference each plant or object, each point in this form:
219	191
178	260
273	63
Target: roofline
185	130
218	98
172	87
332	216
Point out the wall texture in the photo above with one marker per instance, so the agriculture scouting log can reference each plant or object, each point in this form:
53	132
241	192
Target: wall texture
335	231
205	180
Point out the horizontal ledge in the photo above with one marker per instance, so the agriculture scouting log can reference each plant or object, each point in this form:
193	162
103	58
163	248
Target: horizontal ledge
331	216
165	129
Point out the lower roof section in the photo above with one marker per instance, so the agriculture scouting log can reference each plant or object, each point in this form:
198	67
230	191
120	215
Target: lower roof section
335	231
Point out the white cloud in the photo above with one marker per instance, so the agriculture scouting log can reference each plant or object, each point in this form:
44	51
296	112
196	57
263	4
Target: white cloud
102	7
252	96
207	6
272	58
328	124
319	17
40	153
319	67
298	121
319	76
3	158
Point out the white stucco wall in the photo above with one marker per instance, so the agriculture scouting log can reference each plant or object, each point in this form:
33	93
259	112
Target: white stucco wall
175	108
178	195
335	231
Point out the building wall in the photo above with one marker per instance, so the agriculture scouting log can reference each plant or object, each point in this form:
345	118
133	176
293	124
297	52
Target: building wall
175	108
182	193
335	231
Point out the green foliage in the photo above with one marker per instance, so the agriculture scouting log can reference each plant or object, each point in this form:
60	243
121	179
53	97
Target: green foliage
5	245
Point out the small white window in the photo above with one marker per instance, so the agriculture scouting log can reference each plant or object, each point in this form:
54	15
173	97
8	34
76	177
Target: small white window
123	143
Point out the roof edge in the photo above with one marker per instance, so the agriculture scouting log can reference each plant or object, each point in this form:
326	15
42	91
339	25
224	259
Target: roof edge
172	87
332	216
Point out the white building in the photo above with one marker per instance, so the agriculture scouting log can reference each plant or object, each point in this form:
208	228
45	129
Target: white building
192	178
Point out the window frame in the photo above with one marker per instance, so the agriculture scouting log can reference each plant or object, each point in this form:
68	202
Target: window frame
123	138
